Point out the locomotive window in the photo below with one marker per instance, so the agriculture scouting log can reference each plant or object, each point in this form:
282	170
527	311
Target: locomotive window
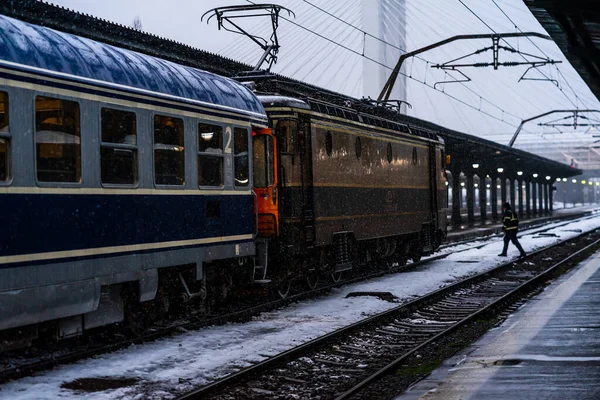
389	152
240	157
264	167
286	132
4	139
210	155
358	147
118	151
168	151
57	140
328	143
415	156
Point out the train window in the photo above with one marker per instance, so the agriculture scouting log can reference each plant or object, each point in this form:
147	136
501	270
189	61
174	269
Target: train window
118	151
264	167
389	152
210	155
358	147
4	139
169	158
240	157
285	136
415	156
57	140
328	143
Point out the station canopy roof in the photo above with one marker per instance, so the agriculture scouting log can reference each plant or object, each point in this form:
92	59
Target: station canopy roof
575	27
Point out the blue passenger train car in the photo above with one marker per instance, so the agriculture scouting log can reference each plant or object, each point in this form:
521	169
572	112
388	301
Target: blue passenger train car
122	176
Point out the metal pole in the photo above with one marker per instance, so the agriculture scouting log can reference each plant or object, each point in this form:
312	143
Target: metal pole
512	141
389	85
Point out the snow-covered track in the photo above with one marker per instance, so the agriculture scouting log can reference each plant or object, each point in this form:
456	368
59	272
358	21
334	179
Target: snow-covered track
17	366
353	359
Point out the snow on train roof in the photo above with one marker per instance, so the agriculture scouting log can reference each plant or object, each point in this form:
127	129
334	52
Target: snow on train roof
39	47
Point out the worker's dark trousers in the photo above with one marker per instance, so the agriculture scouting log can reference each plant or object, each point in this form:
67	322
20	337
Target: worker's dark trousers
511	236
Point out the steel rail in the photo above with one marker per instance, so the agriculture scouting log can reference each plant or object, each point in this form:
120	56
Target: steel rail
20	371
538	279
230	380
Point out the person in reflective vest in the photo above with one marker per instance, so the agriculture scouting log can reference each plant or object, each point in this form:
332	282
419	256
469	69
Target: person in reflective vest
510	227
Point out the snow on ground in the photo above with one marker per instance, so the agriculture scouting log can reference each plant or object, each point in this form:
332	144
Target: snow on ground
197	357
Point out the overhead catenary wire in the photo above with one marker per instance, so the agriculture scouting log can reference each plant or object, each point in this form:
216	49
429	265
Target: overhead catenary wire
509	45
537	47
404	74
390	15
579	100
422	17
328	29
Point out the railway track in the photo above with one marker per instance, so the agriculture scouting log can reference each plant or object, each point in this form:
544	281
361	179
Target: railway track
351	362
17	366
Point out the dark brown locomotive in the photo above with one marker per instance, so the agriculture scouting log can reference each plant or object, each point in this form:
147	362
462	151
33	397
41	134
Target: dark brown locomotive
352	188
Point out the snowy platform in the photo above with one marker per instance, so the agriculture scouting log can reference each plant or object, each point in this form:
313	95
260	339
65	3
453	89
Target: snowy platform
549	349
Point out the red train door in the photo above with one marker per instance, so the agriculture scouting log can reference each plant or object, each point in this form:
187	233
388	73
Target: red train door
265	181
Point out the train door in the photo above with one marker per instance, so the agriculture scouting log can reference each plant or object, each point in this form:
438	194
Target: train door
265	182
295	156
433	178
308	214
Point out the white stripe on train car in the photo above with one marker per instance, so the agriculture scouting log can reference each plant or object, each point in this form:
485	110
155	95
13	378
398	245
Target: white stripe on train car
118	249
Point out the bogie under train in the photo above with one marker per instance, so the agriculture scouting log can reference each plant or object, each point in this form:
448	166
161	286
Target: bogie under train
132	186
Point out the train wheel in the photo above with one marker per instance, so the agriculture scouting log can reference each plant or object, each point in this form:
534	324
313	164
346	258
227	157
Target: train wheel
283	288
336	276
417	252
401	261
312	279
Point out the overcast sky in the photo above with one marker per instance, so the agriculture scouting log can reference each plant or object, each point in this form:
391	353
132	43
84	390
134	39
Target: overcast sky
491	105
